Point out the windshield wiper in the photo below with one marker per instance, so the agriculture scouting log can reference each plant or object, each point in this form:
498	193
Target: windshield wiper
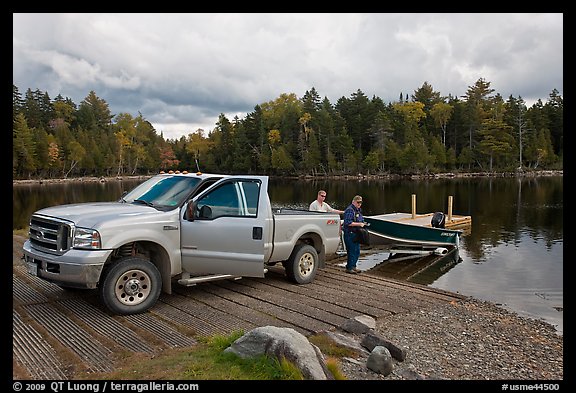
144	202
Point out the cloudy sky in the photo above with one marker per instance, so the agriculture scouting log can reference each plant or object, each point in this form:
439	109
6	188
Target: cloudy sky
180	71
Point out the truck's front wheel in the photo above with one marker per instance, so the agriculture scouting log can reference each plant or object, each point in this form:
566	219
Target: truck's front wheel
302	265
130	286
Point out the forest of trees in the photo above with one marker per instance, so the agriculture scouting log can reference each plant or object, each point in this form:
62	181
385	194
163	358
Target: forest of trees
423	133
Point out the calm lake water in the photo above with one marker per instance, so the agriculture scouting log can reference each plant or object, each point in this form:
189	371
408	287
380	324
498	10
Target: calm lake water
512	255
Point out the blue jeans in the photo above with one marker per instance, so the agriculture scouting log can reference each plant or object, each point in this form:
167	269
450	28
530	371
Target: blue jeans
352	250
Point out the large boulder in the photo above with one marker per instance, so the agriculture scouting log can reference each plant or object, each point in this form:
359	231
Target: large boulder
380	361
282	343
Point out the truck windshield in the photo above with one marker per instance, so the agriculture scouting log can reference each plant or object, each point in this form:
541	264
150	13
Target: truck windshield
162	191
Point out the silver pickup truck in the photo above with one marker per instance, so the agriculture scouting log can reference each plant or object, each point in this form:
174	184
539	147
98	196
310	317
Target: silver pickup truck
176	227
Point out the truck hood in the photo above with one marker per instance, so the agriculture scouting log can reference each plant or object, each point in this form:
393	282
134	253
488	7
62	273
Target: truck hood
91	215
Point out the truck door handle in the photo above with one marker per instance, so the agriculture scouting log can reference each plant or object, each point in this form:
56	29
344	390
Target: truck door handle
257	233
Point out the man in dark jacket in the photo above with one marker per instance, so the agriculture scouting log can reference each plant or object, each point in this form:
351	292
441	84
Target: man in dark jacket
353	219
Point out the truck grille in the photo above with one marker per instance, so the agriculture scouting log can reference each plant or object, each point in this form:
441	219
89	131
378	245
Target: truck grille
50	235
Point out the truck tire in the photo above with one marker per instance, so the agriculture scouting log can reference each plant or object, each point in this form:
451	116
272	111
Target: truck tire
130	286
302	265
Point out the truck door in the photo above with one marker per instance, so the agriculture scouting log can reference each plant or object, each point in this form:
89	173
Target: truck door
229	229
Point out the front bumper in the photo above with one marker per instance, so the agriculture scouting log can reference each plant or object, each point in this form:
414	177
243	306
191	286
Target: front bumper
75	268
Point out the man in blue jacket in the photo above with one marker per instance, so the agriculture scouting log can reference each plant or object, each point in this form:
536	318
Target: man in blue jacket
353	219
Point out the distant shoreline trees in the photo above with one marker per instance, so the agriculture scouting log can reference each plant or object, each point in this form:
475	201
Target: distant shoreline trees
425	134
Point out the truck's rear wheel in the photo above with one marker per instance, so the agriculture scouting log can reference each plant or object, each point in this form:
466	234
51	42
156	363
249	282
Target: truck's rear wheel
130	286
302	265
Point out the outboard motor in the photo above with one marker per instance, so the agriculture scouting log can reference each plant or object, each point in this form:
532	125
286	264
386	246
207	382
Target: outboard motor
438	220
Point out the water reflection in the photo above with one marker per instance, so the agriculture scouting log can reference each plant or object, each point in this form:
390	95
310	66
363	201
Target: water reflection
405	266
27	198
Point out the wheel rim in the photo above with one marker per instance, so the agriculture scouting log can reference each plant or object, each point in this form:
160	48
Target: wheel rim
133	287
306	264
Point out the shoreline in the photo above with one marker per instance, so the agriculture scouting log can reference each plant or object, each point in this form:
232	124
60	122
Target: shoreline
447	175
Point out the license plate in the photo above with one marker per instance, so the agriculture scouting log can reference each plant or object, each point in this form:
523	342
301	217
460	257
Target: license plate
32	268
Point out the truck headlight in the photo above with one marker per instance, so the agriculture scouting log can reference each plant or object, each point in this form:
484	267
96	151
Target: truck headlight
86	238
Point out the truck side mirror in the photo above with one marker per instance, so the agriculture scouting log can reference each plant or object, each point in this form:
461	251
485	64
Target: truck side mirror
189	215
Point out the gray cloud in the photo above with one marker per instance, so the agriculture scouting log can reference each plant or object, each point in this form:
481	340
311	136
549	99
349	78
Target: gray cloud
182	70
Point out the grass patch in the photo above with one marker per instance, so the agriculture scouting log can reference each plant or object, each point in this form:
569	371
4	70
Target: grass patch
204	361
330	348
334	353
333	365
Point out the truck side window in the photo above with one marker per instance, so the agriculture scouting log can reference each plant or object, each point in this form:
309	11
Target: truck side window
232	199
251	191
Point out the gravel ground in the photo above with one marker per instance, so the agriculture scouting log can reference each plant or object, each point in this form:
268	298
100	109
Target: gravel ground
468	340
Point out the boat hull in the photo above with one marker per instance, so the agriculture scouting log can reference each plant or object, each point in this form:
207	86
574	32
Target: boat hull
388	229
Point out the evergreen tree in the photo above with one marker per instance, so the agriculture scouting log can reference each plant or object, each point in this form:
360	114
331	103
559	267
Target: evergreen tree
23	148
478	103
32	109
94	113
17	102
554	110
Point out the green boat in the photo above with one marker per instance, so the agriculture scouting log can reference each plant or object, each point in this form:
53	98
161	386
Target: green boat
417	230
